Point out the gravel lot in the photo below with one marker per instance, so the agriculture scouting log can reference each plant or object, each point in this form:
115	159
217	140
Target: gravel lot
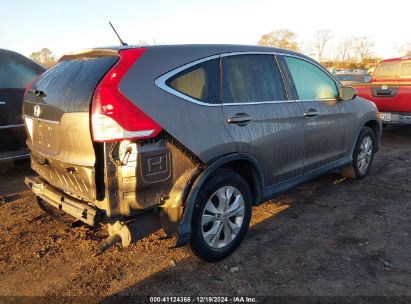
328	237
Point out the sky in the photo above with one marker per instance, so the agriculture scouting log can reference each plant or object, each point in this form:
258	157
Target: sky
69	25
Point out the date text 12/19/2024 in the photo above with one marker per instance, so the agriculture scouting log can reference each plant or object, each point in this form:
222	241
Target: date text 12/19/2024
209	299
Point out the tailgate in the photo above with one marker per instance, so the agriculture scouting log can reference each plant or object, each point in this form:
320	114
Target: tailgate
56	114
388	97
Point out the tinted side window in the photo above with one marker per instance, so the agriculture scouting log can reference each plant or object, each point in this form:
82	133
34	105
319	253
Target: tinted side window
14	73
387	70
406	70
310	81
251	78
201	81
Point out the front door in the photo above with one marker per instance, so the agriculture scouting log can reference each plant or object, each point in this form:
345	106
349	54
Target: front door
325	136
16	71
12	135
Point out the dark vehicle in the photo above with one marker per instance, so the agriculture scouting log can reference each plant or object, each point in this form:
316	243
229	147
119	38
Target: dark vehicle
188	138
352	78
16	72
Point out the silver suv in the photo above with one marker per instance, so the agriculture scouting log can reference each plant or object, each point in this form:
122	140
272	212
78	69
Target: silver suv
188	138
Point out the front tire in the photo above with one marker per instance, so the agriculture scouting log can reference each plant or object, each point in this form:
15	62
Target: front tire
221	216
363	155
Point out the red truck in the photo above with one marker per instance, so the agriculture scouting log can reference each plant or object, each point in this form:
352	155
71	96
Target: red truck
390	90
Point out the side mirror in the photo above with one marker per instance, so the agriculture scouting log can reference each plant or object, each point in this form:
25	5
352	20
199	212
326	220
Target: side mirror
347	93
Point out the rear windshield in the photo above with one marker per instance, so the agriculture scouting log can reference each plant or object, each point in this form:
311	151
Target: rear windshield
406	70
393	70
70	84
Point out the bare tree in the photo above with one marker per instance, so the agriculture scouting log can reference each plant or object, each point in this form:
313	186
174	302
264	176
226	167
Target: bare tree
344	50
284	39
44	57
146	42
142	42
321	40
363	47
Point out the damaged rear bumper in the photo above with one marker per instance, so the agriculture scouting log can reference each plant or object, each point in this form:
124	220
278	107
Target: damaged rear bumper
76	208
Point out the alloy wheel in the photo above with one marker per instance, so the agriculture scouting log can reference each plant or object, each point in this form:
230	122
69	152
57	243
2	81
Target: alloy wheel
365	154
222	217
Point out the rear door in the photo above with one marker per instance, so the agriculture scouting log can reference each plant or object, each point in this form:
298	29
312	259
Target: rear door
57	118
16	72
325	135
263	122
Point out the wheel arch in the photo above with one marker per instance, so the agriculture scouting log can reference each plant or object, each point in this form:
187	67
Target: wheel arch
249	172
375	126
243	164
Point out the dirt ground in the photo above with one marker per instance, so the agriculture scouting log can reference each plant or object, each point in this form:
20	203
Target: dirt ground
327	237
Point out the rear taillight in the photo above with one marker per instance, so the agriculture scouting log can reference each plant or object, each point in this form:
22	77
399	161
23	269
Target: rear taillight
113	116
28	121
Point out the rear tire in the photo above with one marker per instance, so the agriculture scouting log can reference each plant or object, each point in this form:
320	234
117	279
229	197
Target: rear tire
363	155
221	216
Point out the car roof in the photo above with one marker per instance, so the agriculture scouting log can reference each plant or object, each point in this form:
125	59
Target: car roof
21	58
207	48
396	59
8	52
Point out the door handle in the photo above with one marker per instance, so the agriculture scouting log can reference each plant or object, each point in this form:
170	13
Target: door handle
311	113
240	119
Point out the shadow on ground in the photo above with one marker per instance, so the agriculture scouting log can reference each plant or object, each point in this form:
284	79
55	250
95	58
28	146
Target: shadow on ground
330	236
12	179
327	237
